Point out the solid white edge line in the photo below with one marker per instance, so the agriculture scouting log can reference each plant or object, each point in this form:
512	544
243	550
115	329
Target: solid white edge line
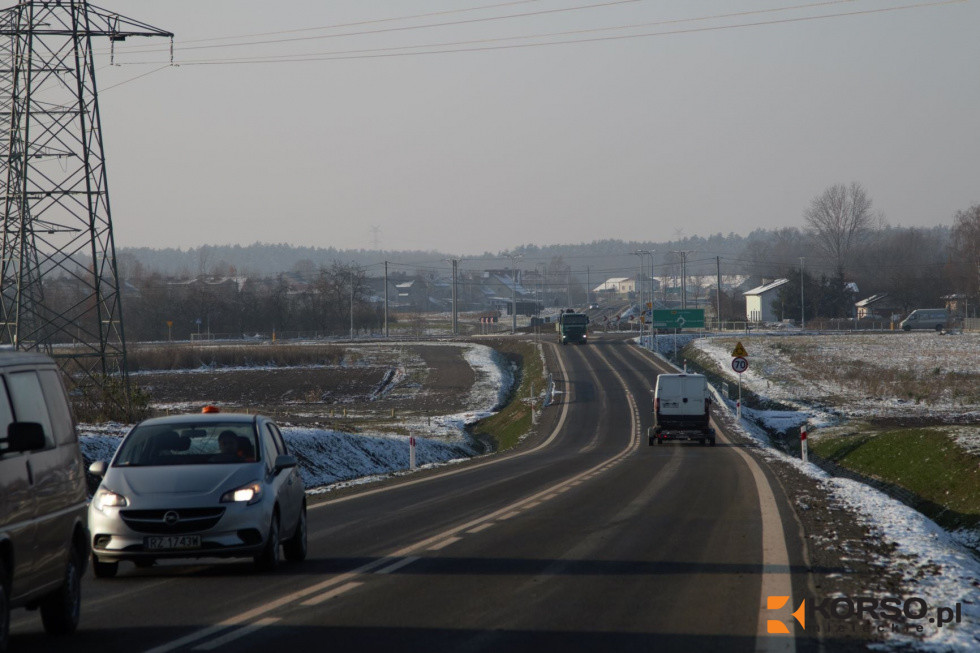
774	553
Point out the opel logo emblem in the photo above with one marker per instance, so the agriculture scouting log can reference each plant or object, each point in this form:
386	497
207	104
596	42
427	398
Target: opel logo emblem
170	518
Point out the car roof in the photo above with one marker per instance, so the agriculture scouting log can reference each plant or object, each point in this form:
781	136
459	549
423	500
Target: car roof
203	418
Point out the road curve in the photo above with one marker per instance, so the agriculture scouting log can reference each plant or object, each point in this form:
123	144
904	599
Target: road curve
589	541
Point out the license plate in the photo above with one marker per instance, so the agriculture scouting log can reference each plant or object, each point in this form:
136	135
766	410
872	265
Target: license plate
172	542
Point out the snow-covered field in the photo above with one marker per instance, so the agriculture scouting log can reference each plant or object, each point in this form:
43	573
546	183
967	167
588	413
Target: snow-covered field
332	458
848	376
934	563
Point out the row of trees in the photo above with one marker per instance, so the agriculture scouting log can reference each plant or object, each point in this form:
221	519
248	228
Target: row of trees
159	308
844	242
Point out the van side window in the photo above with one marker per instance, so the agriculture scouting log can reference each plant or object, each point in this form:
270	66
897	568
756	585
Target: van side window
28	401
6	416
54	394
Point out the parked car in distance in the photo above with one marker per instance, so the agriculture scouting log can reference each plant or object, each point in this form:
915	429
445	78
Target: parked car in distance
194	486
926	318
43	541
681	409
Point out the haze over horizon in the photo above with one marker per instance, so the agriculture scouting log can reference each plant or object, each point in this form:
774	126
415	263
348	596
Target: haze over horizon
630	120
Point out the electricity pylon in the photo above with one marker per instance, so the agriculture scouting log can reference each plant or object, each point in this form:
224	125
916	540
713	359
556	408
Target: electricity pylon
58	276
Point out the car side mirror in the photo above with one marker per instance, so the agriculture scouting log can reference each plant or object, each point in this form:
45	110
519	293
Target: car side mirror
25	436
98	468
285	461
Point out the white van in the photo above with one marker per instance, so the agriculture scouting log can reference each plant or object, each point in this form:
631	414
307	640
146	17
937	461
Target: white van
681	409
43	511
926	318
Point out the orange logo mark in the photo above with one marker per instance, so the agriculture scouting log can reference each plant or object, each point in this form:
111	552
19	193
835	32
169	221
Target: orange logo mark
776	627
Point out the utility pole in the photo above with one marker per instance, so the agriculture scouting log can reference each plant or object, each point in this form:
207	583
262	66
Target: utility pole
57	223
513	302
802	313
386	299
588	286
683	254
641	286
718	291
455	298
352	302
568	287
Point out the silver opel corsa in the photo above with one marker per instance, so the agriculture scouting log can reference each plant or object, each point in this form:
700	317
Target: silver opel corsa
196	486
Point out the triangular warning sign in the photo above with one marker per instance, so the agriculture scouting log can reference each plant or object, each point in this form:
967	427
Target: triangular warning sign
739	350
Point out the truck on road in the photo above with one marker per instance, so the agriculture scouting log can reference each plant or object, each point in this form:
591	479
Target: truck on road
572	327
681	409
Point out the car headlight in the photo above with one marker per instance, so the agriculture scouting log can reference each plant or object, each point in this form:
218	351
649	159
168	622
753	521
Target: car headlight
245	494
108	499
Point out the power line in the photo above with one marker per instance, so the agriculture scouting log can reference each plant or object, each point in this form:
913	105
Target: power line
406	28
386	52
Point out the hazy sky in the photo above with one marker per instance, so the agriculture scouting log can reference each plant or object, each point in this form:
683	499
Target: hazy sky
693	131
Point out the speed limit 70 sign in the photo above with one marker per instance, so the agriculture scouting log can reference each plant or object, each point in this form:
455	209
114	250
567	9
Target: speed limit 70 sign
740	364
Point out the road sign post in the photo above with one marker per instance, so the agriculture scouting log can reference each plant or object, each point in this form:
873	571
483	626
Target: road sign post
803	444
411	453
739	364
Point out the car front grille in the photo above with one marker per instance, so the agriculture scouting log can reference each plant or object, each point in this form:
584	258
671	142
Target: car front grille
188	520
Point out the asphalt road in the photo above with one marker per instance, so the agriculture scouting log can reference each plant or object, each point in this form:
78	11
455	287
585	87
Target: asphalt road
586	540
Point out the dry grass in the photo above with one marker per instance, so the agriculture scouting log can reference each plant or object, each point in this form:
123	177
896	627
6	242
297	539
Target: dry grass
186	356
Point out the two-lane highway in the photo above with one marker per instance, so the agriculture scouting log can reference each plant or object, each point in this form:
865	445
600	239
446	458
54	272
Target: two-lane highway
589	540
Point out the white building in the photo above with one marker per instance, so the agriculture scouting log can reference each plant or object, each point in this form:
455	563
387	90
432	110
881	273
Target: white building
758	302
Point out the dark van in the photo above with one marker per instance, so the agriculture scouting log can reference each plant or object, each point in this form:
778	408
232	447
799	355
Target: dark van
43	536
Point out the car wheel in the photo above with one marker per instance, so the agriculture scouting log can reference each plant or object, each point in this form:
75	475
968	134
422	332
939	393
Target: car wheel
294	549
60	609
104	569
268	560
4	610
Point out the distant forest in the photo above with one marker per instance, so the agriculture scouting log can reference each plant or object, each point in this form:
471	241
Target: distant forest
845	253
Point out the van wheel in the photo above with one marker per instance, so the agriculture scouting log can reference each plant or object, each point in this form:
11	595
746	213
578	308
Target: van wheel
939	327
60	609
104	569
4	610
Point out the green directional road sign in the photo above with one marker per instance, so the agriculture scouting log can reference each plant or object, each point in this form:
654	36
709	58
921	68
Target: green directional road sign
678	318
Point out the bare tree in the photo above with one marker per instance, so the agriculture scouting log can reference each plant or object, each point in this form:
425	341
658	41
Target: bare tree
840	219
966	248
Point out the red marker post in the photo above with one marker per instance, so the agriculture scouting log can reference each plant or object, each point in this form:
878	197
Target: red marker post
803	445
411	452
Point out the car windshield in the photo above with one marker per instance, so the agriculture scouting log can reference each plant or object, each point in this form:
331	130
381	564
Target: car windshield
189	443
575	318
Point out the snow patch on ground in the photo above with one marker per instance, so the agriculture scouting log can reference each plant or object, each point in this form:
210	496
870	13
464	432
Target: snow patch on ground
936	565
330	457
